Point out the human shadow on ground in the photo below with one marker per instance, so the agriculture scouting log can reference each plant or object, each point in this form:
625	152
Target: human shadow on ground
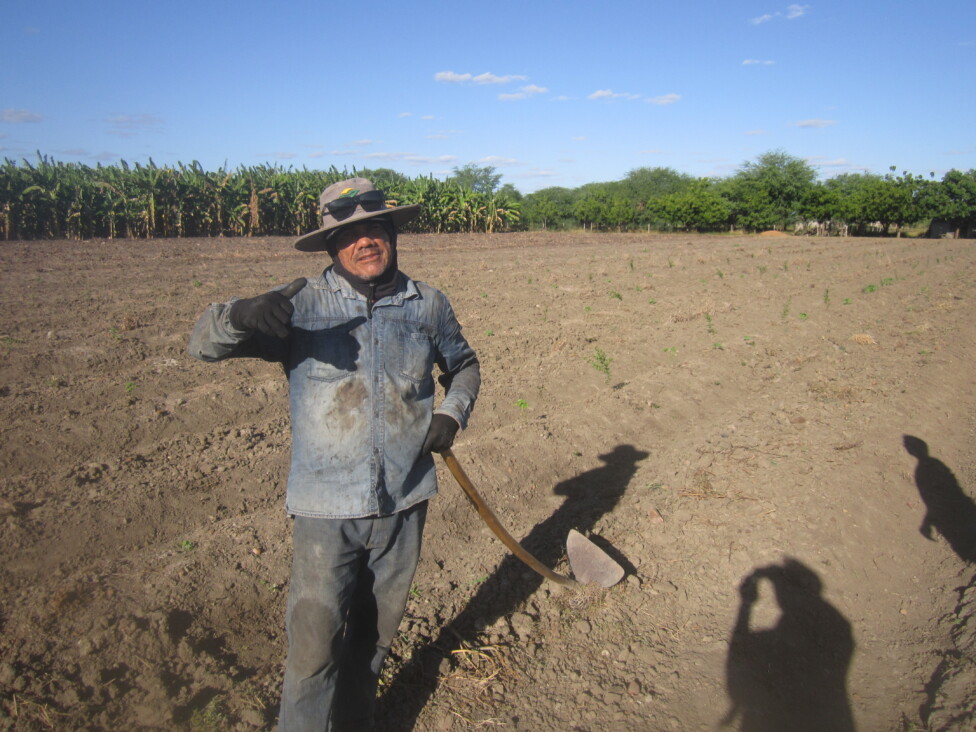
793	675
948	509
588	497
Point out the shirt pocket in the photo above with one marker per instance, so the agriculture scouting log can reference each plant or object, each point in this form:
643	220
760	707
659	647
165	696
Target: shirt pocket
416	352
331	353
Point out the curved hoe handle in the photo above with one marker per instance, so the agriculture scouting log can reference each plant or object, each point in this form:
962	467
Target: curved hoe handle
489	518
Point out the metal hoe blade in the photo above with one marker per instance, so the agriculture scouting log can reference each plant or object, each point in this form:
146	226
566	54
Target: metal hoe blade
591	565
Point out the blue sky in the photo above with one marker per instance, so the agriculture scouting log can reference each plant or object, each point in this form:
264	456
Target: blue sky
549	93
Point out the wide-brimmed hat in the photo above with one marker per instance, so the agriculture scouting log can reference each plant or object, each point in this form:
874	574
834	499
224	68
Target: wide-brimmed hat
347	202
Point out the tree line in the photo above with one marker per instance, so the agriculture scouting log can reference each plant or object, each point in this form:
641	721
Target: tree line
776	191
50	199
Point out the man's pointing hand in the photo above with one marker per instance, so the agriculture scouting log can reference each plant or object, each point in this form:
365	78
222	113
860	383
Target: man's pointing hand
269	313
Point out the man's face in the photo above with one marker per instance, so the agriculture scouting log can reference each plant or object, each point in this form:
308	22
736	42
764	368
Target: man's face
363	249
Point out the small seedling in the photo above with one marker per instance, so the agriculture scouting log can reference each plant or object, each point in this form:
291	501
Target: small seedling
601	362
130	387
885	281
711	326
616	295
718	346
114	332
673	350
652	301
489	332
8	341
211	718
750	341
521	404
187	546
847	301
869	288
762	268
197	283
786	309
721	274
484	295
803	316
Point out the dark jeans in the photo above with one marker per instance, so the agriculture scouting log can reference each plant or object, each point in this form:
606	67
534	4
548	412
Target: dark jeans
350	580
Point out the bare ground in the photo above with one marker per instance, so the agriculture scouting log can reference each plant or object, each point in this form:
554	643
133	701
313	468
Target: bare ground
773	435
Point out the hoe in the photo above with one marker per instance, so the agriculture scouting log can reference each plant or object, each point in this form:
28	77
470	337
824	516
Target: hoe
590	564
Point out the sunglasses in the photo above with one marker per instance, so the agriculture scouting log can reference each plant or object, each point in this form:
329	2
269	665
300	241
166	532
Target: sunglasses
341	208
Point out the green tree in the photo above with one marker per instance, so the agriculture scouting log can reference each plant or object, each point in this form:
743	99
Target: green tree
766	193
954	200
480	179
700	208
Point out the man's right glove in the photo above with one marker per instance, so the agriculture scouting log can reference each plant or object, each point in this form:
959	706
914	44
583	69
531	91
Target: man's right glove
440	434
269	313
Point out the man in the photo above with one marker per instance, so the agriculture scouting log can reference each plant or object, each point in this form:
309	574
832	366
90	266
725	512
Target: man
359	344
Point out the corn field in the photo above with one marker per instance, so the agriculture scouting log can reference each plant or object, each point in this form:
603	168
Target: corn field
56	200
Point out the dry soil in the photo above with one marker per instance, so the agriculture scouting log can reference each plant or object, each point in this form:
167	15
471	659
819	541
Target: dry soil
774	436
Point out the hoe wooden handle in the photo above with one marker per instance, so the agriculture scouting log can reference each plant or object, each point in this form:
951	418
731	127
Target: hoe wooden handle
489	518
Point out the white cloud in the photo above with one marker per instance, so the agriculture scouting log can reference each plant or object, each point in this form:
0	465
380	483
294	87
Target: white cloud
524	93
18	116
757	62
835	163
816	123
450	77
428	117
579	138
404	115
127	125
655	151
363	142
665	99
496	160
536	173
793	12
438	136
411	158
611	94
755	132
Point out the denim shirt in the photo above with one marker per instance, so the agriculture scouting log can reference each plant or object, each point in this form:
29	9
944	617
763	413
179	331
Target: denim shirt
361	389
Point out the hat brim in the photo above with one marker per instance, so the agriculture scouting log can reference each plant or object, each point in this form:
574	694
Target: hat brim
315	241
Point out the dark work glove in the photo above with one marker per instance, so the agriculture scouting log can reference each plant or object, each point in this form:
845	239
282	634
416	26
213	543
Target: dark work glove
440	434
269	313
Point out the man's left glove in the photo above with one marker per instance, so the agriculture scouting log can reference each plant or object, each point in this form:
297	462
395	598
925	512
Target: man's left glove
440	434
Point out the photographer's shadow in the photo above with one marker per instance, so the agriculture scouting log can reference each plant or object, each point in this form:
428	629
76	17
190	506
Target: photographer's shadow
588	497
793	675
949	510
